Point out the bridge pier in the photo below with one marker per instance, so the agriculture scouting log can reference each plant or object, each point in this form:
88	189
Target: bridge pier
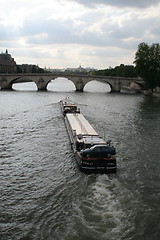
4	84
79	84
41	84
6	88
116	86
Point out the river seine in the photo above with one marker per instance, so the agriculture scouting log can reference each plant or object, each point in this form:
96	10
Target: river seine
43	195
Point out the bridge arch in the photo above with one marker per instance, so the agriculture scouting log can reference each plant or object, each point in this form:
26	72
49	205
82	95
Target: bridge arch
66	84
25	86
98	86
20	80
13	81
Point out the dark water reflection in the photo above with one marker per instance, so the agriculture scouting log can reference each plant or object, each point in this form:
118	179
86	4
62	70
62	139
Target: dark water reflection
44	196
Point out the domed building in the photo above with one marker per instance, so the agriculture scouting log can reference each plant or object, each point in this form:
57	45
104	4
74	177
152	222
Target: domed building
7	63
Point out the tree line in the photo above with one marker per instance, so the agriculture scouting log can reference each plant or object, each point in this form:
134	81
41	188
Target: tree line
118	71
146	65
29	68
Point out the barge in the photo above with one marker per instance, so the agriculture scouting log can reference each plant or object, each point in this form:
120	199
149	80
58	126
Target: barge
92	153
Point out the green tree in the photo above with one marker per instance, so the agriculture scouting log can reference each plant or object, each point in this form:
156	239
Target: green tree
147	61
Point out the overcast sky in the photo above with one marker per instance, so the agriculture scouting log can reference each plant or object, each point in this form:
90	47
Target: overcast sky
69	33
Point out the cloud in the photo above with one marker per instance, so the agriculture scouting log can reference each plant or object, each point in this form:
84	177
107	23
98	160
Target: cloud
100	30
74	30
119	3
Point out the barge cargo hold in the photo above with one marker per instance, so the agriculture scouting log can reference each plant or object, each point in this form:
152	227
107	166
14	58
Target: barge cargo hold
92	153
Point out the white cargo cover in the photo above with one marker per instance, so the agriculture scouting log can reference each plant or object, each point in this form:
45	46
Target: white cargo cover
79	124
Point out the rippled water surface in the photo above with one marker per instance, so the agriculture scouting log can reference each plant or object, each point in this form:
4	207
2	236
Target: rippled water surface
42	193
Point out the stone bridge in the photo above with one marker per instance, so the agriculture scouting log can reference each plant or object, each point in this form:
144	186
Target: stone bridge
79	80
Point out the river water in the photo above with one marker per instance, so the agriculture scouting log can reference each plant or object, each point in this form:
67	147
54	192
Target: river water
43	195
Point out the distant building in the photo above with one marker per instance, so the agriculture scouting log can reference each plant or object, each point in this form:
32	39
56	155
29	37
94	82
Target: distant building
80	69
7	63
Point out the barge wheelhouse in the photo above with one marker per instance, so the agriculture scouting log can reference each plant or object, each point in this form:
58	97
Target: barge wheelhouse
68	107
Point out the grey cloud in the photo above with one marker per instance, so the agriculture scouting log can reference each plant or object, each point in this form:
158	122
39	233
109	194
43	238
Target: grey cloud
112	34
119	3
8	34
106	54
38	30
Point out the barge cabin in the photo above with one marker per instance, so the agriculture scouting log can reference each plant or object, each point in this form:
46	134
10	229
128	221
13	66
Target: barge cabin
68	107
